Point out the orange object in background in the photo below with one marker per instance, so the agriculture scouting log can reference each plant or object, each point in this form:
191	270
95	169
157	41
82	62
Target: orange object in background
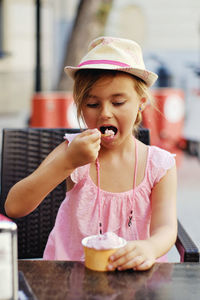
166	125
52	110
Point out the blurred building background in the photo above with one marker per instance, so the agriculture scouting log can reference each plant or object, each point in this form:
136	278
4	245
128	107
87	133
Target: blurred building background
168	31
18	48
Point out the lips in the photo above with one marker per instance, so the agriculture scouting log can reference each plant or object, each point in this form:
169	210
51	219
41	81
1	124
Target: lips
109	127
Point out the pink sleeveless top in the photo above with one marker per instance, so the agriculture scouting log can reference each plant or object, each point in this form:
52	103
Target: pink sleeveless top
78	214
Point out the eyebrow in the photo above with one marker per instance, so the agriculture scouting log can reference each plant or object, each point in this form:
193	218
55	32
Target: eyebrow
112	96
119	95
92	97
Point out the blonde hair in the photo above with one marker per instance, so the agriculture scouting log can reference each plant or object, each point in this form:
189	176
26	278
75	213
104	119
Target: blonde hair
85	79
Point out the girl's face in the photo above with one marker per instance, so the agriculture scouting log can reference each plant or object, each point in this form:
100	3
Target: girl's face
112	103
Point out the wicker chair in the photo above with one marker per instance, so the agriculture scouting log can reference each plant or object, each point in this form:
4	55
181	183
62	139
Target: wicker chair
22	152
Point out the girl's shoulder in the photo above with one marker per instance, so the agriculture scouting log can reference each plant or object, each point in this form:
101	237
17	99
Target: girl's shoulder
159	161
80	173
160	158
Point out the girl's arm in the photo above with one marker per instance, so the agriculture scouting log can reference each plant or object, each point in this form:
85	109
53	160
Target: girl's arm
142	254
28	193
163	228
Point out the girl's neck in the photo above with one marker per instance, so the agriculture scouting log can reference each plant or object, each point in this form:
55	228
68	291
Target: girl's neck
118	151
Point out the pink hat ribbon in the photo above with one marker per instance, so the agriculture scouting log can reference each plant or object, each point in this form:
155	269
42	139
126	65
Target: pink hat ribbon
103	61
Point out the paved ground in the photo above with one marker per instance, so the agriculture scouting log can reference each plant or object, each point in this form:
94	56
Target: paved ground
188	202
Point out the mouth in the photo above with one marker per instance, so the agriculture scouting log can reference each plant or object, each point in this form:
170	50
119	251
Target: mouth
108	130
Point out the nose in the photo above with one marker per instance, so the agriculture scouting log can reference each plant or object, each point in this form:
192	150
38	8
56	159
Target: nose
106	111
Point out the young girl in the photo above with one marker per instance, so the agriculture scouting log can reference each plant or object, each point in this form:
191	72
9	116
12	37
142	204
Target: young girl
114	182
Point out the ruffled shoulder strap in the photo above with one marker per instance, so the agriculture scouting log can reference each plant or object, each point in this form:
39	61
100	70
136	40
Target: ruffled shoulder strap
79	173
159	161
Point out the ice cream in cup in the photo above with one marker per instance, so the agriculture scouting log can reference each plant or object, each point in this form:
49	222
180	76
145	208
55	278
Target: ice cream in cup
98	249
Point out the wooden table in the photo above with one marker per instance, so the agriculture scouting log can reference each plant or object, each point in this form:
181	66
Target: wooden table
71	280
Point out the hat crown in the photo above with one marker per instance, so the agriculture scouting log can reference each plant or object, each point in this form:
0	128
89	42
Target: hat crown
111	53
121	50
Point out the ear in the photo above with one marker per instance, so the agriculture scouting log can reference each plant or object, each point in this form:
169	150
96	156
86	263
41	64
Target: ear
143	102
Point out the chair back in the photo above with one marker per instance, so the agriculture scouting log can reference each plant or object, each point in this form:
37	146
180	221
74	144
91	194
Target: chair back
22	152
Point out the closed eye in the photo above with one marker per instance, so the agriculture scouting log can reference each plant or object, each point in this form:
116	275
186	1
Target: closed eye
118	103
92	105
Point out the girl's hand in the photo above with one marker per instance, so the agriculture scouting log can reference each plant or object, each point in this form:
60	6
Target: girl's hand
136	254
84	148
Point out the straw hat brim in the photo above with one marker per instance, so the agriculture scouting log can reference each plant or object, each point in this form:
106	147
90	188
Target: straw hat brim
147	76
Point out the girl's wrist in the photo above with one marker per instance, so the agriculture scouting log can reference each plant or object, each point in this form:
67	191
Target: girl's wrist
61	165
152	245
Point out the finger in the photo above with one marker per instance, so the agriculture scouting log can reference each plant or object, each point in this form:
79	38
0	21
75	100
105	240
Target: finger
92	134
130	247
132	263
95	140
93	146
128	260
85	132
88	132
116	261
96	148
146	265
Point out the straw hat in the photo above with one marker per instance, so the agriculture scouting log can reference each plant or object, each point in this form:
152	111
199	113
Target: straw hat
112	53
